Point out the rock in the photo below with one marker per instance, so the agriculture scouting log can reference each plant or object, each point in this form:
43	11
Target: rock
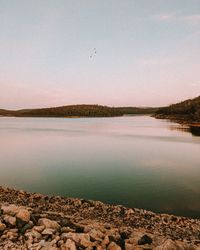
141	248
172	245
85	243
53	248
28	236
48	231
55	239
129	246
81	239
10	209
14	230
67	230
96	235
75	236
145	239
12	235
167	245
10	220
24	228
3	237
35	234
2	226
23	215
37	196
129	212
60	243
45	245
38	228
69	245
113	246
106	241
101	248
49	223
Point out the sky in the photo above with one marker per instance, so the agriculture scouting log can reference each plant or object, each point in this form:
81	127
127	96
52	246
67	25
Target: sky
109	52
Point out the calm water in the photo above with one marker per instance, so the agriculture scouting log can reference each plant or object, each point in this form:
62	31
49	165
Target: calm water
137	161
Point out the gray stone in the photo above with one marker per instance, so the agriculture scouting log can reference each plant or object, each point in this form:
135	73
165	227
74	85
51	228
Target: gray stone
145	239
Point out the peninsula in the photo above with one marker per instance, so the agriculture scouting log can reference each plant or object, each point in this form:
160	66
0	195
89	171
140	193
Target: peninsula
186	112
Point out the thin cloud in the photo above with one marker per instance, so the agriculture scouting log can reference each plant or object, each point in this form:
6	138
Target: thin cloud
165	17
192	18
196	84
154	61
177	17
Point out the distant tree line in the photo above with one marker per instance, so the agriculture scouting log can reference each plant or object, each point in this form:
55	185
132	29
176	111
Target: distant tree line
78	111
136	110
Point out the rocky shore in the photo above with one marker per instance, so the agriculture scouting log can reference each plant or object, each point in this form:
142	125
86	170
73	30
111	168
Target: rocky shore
181	119
36	221
189	125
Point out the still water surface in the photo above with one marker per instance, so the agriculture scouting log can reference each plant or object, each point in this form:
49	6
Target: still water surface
137	161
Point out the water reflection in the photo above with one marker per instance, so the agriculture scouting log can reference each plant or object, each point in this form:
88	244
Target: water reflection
135	161
179	127
195	130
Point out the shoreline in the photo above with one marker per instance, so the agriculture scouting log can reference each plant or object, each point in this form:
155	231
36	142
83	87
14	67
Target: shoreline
192	126
178	119
123	115
119	226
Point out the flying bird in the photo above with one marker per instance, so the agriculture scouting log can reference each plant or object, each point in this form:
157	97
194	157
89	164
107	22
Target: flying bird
93	53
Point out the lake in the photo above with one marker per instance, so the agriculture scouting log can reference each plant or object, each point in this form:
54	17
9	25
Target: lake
136	161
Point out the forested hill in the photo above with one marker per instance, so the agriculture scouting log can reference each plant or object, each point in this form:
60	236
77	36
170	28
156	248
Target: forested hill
188	110
136	110
66	111
77	111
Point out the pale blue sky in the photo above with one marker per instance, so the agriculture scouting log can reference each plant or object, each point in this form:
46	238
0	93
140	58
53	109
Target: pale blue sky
148	52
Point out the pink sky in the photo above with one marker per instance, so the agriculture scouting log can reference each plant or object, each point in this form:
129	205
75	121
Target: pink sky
146	55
